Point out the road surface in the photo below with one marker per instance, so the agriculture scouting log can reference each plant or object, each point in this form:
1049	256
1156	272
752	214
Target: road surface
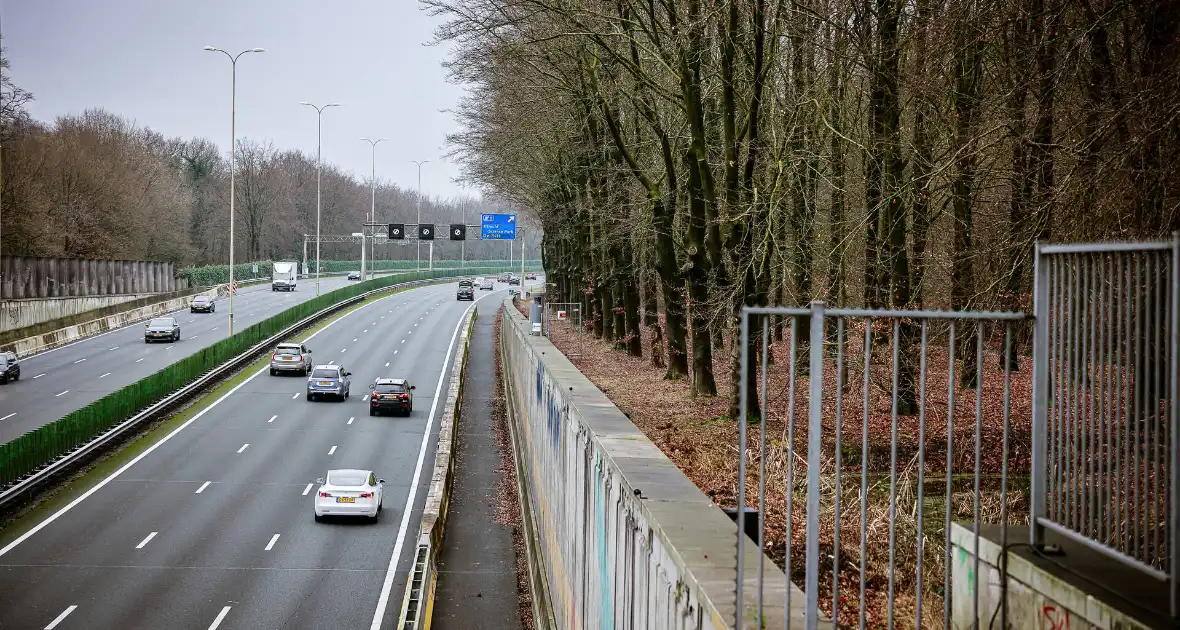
213	527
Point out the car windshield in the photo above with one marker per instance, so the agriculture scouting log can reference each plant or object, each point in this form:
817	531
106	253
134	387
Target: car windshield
346	479
287	350
464	283
324	373
389	388
202	299
161	322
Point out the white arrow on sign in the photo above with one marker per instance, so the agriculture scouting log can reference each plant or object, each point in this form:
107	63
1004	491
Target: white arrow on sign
511	218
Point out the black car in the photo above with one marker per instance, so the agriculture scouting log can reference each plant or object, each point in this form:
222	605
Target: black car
202	304
514	280
391	394
354	275
9	367
466	290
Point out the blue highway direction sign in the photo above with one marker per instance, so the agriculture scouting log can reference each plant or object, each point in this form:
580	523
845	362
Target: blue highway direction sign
498	227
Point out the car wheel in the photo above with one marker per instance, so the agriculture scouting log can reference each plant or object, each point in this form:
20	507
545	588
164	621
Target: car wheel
4	380
177	337
147	340
272	371
376	517
16	378
309	397
318	518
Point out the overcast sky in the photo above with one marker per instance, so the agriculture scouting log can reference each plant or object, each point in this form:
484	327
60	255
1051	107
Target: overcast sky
142	59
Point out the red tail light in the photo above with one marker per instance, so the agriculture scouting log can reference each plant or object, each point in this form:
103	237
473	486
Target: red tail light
366	495
404	396
326	495
274	357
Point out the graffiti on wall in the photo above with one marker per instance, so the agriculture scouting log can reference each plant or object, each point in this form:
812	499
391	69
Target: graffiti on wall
1054	618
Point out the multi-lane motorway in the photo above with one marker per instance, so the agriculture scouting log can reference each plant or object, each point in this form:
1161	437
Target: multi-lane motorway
212	527
56	382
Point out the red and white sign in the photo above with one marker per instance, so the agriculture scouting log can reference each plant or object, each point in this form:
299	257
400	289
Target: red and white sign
234	288
561	315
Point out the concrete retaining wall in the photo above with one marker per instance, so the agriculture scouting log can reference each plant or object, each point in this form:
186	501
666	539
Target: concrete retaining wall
28	277
52	339
627	541
16	314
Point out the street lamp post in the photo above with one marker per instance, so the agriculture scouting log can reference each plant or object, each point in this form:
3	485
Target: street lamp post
233	104
419	246
373	209
319	113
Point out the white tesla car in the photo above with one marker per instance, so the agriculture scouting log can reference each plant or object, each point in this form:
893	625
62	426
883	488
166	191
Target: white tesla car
349	492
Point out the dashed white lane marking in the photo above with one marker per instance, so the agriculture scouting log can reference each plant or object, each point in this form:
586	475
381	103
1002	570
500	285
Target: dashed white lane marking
191	321
354	341
147	540
63	615
140	359
365	399
403	340
61	394
202	488
8	416
216	327
365	330
221	615
350	420
415	326
345	349
395	352
105	375
243	447
307	489
332	451
382	317
39	375
373	324
387	362
270	545
331	362
79	360
272	418
295	395
115	348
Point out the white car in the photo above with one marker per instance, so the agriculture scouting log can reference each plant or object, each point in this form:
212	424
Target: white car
349	492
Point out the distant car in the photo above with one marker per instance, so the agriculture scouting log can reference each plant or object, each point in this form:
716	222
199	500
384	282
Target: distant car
505	277
290	357
530	276
466	291
391	394
354	275
202	304
349	492
514	279
161	329
329	380
487	285
9	367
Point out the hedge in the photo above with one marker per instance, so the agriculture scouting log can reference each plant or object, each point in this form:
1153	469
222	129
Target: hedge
40	446
219	274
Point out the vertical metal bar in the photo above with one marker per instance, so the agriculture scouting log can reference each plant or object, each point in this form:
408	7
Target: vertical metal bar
1125	411
978	456
1173	488
1058	435
864	471
896	334
1040	392
1105	394
762	461
839	466
1004	464
921	469
1138	406
743	407
791	450
1091	486
1152	436
1071	353
950	476
814	440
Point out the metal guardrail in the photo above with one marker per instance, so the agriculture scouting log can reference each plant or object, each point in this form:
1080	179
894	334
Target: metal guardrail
68	462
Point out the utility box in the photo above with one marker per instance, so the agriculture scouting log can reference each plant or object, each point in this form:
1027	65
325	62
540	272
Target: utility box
536	310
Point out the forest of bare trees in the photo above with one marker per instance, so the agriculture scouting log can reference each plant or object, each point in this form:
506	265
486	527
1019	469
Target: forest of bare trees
96	185
708	154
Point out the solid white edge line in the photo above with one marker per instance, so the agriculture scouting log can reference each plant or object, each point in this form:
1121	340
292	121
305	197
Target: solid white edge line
270	545
65	613
147	540
244	447
8	416
391	571
202	488
148	451
307	489
221	615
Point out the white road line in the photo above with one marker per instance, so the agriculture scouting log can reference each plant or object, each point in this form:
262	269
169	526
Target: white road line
221	615
39	375
295	395
387	362
307	489
140	359
354	339
8	416
147	540
272	418
373	324
345	349
79	360
415	326
115	348
270	545
403	340
382	317
193	337
202	488
148	451
63	615
61	394
391	571
395	352
105	375
332	451
331	362
215	327
365	399
349	420
365	330
243	447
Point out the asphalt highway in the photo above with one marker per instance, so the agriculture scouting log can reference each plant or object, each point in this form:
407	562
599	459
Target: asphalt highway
59	381
212	527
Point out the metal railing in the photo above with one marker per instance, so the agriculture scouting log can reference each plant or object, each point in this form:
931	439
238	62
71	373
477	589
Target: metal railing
573	314
1104	390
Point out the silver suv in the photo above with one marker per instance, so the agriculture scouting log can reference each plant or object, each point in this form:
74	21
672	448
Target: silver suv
290	357
329	380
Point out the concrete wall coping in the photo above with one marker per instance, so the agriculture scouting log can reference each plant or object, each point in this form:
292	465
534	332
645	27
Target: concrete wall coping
701	537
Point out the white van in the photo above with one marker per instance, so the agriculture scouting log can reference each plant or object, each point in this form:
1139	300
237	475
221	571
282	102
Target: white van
284	275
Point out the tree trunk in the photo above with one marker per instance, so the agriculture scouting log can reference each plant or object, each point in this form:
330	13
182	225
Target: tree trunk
967	72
